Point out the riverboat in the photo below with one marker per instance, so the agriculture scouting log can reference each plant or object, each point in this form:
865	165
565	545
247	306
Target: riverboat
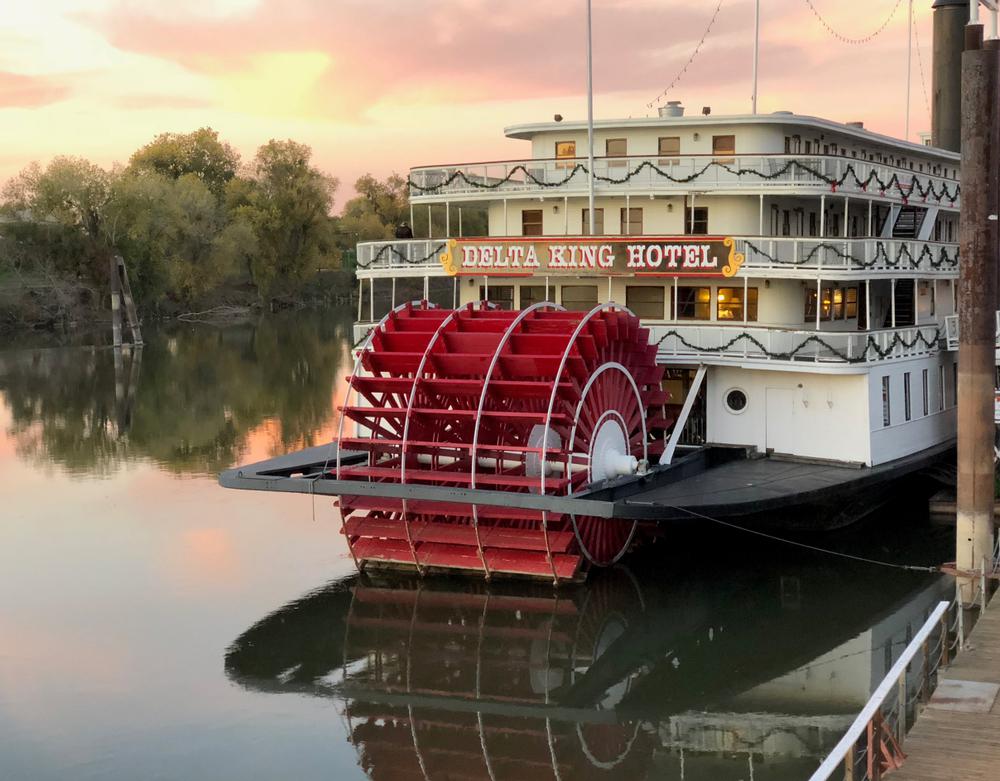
753	330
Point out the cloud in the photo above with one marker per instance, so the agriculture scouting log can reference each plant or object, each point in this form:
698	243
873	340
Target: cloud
152	100
20	91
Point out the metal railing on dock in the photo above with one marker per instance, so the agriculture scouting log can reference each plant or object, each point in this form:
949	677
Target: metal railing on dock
873	745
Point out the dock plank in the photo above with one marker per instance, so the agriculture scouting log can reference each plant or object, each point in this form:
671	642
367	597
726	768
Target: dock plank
945	745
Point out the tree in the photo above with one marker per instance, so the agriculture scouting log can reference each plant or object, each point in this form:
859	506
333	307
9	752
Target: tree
290	207
199	153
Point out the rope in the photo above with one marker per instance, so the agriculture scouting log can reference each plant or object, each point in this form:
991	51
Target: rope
920	62
815	548
847	39
691	59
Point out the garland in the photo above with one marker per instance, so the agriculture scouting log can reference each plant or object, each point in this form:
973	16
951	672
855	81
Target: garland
871	346
881	256
850	173
391	249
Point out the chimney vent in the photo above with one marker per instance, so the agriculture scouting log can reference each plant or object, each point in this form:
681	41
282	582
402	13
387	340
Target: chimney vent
857	125
672	109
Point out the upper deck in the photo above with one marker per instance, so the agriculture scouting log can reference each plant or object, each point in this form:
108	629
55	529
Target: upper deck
775	154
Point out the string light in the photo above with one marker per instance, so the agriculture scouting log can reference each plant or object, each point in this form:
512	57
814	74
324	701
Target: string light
691	59
847	39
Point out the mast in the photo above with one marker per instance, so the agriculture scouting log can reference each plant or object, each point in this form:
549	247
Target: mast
590	119
909	67
756	51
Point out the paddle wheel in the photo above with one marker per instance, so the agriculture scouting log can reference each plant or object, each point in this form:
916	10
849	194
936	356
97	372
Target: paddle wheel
541	401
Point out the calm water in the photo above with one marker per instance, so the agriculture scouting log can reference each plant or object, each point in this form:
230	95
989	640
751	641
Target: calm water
154	625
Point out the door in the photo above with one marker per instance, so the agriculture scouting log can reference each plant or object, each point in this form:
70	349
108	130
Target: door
779	420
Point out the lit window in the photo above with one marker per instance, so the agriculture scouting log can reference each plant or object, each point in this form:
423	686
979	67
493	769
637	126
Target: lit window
565	154
723	146
730	304
694	303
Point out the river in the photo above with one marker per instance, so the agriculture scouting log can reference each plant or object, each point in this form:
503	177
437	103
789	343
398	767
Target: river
154	625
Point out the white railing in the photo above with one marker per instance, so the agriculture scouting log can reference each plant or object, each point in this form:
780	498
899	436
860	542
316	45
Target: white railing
418	257
952	335
873	744
682	174
728	343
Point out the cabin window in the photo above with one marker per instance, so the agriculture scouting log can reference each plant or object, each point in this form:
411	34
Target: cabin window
694	303
631	221
501	295
531	295
730	304
723	146
808	147
736	400
566	152
579	298
645	301
837	304
788	145
813	224
531	222
954	382
696	221
925	382
786	222
598	222
941	391
886	409
670	146
616	147
906	396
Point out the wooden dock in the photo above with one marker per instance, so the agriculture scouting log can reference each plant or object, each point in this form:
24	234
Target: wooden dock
957	736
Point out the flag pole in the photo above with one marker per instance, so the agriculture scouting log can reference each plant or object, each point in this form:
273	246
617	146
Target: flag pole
590	119
756	51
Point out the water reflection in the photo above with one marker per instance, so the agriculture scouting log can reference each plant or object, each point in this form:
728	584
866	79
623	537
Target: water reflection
629	677
192	399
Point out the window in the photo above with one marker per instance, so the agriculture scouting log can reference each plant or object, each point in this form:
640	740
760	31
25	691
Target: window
730	303
906	395
565	151
954	382
736	401
694	303
837	304
598	222
579	298
645	301
531	222
617	148
501	295
813	224
531	295
723	147
941	394
670	147
886	411
926	392
696	221
631	221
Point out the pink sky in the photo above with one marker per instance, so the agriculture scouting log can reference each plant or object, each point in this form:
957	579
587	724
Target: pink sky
380	85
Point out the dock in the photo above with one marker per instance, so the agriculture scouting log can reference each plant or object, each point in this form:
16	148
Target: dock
957	736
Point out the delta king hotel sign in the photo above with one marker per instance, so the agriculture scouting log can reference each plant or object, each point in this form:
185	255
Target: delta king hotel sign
646	256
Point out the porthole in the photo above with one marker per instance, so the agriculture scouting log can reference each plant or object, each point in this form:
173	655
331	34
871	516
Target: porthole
736	400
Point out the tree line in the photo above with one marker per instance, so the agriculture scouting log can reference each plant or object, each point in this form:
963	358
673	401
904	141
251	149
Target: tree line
193	221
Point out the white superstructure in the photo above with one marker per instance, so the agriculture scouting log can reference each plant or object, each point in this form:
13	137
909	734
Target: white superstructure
827	341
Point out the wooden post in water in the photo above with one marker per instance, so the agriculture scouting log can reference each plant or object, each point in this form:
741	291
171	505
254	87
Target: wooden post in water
977	302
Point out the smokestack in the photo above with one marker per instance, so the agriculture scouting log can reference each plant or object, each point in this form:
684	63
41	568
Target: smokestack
950	19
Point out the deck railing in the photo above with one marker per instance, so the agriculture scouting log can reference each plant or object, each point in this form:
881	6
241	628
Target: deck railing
684	173
952	335
417	257
729	343
872	746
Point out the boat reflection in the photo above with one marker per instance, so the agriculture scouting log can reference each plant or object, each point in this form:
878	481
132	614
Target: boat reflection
626	678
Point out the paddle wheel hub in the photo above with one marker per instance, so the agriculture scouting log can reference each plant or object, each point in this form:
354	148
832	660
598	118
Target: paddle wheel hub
541	401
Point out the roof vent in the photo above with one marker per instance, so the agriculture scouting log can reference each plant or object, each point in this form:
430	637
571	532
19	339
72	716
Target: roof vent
672	109
858	125
784	113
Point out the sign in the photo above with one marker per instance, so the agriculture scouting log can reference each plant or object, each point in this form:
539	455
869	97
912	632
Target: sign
638	256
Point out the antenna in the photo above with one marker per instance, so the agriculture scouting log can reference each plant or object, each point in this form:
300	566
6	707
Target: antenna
590	118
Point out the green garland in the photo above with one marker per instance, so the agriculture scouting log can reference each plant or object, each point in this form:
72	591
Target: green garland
391	249
881	256
850	173
871	346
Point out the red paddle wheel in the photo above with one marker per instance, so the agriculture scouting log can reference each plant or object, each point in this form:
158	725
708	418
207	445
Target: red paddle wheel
540	401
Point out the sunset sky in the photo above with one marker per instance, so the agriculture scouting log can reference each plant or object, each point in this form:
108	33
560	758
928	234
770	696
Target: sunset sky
380	85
